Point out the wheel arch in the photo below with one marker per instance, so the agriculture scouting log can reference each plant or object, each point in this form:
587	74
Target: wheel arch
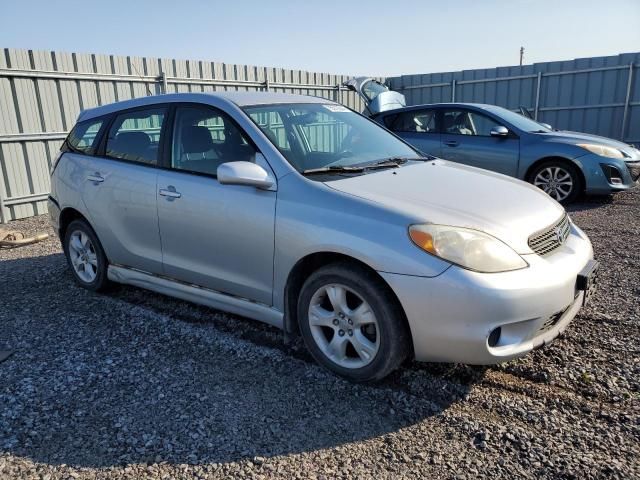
309	264
68	215
556	158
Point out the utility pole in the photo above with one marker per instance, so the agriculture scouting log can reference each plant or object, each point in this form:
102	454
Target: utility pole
521	55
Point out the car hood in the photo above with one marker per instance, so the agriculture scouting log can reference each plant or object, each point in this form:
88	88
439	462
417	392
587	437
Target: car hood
442	192
578	137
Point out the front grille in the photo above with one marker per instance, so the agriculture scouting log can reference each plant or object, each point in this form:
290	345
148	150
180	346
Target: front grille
547	240
634	170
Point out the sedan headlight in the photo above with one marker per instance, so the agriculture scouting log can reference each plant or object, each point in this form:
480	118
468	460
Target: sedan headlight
602	150
470	249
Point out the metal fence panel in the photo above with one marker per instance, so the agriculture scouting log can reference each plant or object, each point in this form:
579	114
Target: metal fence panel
42	93
599	95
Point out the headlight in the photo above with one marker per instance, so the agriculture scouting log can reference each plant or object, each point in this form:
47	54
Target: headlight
602	150
471	249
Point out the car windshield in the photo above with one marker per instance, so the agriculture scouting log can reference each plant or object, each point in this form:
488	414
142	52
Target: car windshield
313	135
518	120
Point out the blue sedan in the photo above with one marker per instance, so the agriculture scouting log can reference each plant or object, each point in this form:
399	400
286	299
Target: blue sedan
563	164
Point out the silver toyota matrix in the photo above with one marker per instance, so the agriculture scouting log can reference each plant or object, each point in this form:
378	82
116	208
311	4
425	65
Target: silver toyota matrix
301	213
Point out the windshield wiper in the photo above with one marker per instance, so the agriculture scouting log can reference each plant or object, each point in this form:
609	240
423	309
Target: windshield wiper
333	169
387	162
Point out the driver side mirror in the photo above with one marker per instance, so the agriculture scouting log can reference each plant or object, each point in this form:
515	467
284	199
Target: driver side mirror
244	173
499	131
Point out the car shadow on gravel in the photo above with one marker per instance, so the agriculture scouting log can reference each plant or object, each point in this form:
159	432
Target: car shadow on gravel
133	377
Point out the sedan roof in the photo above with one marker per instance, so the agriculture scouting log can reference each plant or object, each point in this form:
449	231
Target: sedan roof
240	99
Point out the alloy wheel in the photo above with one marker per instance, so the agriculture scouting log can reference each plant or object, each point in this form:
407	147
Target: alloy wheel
555	181
82	254
344	326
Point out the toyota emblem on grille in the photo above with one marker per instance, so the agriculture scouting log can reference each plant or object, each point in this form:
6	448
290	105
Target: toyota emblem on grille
559	236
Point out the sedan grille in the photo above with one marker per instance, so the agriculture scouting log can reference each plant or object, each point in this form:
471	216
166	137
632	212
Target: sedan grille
547	240
634	170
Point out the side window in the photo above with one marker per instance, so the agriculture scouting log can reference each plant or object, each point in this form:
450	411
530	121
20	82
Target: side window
204	138
421	121
83	137
465	122
135	135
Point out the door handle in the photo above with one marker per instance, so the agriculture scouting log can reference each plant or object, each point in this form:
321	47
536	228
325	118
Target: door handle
452	143
170	193
95	178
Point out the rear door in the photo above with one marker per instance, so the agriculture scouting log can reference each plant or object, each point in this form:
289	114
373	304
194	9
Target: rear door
120	189
213	235
417	127
466	138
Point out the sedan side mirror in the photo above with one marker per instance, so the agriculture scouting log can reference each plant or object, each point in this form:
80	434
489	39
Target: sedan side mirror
244	173
499	131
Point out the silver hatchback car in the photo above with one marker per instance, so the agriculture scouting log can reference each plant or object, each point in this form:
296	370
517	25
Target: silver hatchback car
301	213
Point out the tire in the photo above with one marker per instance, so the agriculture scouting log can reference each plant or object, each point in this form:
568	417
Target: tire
86	259
365	338
554	176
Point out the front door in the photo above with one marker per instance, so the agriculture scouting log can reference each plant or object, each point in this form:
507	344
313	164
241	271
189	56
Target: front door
466	138
216	236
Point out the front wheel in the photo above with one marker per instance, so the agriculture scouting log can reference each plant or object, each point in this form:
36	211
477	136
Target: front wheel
352	324
560	180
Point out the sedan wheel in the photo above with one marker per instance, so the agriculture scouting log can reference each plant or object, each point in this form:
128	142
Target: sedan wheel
555	181
344	326
560	180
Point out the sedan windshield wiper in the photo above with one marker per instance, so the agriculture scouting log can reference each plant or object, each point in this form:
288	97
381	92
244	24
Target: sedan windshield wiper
387	162
333	169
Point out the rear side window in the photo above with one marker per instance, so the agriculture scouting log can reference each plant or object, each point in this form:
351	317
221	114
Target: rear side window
135	136
84	136
418	121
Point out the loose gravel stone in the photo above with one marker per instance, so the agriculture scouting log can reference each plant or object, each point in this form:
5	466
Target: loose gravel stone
132	385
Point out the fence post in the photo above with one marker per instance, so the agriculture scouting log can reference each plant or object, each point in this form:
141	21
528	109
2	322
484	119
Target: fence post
626	102
453	90
539	81
163	77
2	219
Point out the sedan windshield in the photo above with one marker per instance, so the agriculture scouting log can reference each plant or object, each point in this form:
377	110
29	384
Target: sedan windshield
517	120
313	136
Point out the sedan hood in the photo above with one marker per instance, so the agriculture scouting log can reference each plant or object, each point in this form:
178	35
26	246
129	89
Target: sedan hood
578	137
442	192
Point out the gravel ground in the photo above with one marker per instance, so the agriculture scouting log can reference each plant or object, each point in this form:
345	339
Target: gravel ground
134	384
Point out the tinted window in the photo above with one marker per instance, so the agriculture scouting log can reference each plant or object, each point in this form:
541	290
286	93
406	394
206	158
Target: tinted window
465	122
84	136
422	121
135	135
204	138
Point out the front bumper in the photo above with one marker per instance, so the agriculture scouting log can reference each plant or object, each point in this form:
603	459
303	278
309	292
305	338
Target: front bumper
452	315
596	168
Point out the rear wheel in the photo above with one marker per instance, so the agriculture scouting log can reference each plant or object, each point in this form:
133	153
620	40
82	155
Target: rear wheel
351	323
85	256
560	180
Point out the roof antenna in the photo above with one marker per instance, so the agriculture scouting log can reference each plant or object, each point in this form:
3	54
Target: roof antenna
521	55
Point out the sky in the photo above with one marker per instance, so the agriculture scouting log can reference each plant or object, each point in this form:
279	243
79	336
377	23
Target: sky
374	37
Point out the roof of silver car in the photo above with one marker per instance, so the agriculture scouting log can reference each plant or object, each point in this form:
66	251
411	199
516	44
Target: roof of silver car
240	99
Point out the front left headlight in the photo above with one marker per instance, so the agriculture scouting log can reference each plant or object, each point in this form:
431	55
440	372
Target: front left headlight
602	150
470	249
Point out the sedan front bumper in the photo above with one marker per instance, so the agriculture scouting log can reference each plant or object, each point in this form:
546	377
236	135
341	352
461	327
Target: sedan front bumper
452	316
